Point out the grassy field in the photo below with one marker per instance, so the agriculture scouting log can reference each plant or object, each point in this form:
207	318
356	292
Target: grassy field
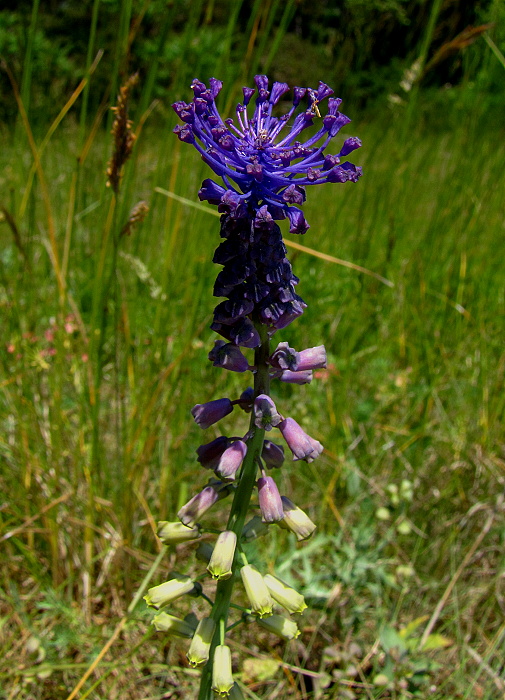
104	351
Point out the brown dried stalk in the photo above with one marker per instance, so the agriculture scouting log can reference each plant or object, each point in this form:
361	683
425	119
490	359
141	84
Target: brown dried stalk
124	138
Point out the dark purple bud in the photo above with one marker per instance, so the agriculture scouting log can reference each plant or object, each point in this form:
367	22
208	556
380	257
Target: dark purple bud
353	172
206	414
294	195
263	218
228	356
330	162
198	87
278	90
215	87
185	133
298	94
313	174
297	221
272	454
210	453
337	174
303	377
255	170
334	122
269	500
265	412
350	145
231	459
312	358
246	399
230	311
211	191
241	333
248	93
261	82
301	445
284	357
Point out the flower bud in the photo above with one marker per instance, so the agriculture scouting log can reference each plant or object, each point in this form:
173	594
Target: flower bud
312	358
256	590
253	529
164	622
296	520
222	679
281	626
301	445
166	592
270	500
272	454
246	399
291	600
228	356
221	562
231	459
174	533
206	414
198	652
265	413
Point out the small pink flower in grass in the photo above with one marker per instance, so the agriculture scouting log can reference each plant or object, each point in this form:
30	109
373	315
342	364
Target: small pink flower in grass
206	414
265	412
231	459
270	500
301	445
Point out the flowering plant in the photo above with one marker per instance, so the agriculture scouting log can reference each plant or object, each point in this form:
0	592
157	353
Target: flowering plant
264	177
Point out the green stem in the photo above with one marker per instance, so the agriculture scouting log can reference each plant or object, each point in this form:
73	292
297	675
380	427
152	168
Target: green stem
240	507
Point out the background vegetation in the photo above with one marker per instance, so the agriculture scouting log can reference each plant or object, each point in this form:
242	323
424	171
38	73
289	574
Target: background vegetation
105	303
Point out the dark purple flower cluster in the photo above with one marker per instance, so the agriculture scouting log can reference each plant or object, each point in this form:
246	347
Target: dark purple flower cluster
269	173
265	167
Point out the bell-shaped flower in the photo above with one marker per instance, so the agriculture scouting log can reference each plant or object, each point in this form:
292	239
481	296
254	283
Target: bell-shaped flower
164	622
296	520
206	414
284	357
199	649
222	679
210	453
272	454
256	590
165	593
221	562
312	358
200	504
281	626
228	356
301	445
231	459
176	532
291	600
269	500
265	412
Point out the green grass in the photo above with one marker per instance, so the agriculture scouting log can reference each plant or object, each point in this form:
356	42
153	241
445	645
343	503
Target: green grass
413	392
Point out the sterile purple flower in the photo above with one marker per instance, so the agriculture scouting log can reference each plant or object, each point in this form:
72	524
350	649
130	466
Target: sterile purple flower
206	414
269	500
265	412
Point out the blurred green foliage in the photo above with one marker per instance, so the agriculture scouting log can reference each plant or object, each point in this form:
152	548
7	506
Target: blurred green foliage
360	47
